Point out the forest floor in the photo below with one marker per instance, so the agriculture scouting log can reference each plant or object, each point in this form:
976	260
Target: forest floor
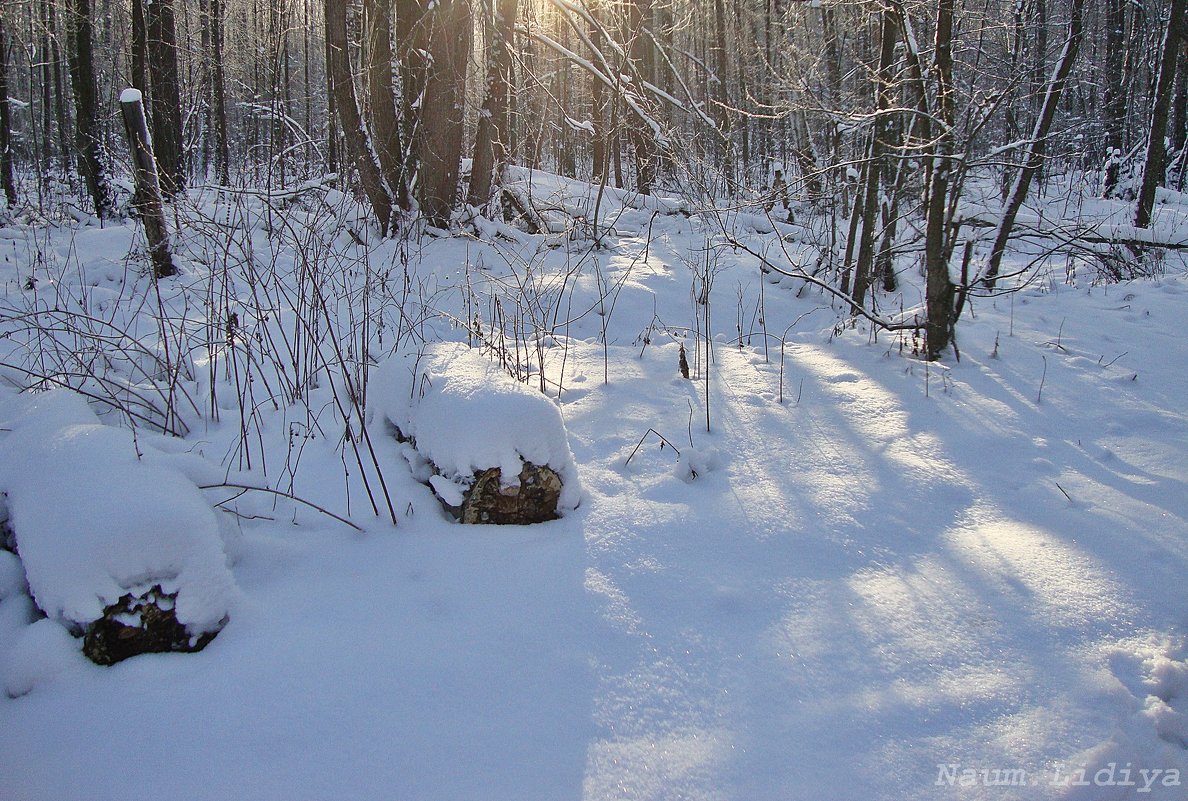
872	578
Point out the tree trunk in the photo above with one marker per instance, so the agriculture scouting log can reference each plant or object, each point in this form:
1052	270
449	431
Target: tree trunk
1114	96
831	54
219	94
442	110
939	291
1153	170
386	128
412	42
878	143
55	64
6	178
331	111
642	141
204	84
82	81
1179	113
490	140
601	137
1039	54
1037	147
342	87
138	58
721	99
165	95
806	159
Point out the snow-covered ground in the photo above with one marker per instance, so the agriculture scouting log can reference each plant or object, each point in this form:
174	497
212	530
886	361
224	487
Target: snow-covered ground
873	578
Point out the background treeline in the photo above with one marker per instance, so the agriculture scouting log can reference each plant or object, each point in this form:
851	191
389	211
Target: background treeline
878	112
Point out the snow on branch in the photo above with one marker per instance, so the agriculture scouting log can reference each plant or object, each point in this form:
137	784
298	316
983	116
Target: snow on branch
633	100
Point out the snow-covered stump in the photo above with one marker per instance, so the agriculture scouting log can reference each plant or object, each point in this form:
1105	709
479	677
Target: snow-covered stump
142	623
117	545
491	449
147	200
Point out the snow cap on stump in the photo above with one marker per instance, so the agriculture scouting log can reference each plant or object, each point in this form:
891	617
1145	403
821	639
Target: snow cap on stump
101	523
469	418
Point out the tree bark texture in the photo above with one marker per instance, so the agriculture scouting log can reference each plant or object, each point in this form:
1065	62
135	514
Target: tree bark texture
6	172
939	290
442	110
138	45
1114	95
490	140
219	95
86	124
342	87
412	42
165	95
382	99
1153	170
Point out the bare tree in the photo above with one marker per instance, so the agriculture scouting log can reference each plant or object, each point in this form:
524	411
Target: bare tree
6	176
874	164
1153	170
1114	105
138	52
442	109
165	95
939	290
148	189
218	92
342	87
1037	145
490	140
381	95
86	123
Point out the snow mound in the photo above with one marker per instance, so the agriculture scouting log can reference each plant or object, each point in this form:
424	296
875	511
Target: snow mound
94	521
40	653
558	199
12	576
466	415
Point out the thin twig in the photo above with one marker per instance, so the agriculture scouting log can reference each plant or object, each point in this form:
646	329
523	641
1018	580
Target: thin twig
283	494
1040	393
641	442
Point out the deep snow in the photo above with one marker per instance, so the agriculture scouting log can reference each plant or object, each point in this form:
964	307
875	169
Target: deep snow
99	515
466	414
898	572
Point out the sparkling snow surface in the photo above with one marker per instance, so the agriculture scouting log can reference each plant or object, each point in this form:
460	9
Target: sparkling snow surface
467	414
898	580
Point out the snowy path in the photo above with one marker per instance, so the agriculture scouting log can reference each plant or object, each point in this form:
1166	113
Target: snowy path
840	608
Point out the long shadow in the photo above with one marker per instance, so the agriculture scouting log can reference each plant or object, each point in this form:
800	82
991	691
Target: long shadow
848	609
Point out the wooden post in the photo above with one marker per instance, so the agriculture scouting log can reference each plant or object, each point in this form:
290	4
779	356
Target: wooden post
147	201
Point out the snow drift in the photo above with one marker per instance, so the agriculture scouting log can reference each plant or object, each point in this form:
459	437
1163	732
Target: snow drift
98	515
466	415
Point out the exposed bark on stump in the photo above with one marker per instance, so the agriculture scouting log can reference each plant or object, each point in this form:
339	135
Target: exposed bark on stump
145	624
532	499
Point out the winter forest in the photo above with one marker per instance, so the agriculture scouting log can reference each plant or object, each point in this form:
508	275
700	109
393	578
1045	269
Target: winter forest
593	399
